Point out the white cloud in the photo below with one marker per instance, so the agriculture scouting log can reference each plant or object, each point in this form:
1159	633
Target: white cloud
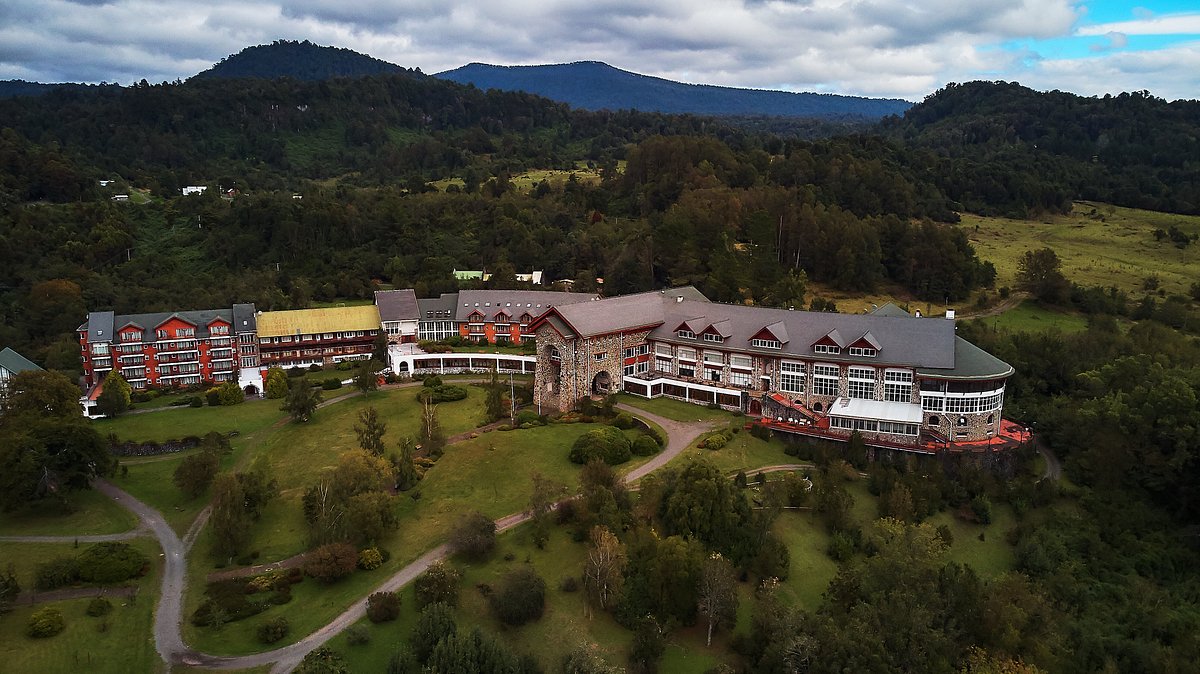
1169	73
895	48
1174	24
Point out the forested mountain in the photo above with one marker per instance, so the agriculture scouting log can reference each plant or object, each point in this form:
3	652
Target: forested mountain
592	85
15	88
998	147
299	61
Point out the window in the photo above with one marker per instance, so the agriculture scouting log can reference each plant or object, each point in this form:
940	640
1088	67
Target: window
131	336
219	330
662	365
739	378
637	368
664	350
635	351
687	370
862	383
897	428
791	377
863	351
766	343
185	332
686	334
743	362
897	386
162	334
712	375
598	356
825	380
714	358
713	337
687	353
825	348
100	349
933	403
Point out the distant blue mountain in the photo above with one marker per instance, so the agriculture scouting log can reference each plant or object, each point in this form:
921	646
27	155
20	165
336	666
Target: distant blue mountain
593	85
300	61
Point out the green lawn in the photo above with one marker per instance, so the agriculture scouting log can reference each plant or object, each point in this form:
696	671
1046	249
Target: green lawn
675	409
151	481
1098	244
90	513
811	569
743	452
25	557
126	645
989	557
1029	316
180	422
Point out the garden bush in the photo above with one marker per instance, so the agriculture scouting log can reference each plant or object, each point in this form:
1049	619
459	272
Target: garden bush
439	584
358	635
383	607
528	417
110	563
623	421
432	381
645	446
370	559
56	573
273	630
442	394
716	439
45	622
98	606
331	384
474	536
607	444
331	562
521	597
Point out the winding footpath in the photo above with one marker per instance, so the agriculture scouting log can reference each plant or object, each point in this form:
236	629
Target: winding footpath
168	616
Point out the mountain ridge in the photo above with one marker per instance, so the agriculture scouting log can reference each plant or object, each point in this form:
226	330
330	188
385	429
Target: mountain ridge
596	85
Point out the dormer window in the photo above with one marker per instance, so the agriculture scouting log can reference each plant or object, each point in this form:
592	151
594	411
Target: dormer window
766	343
713	337
826	348
686	334
865	352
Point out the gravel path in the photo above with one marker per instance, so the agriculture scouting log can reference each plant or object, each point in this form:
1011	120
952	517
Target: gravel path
96	538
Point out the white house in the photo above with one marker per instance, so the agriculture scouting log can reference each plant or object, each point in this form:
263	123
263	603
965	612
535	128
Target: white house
193	189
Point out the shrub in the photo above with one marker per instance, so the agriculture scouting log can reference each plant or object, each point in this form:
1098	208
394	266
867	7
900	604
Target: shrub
323	660
213	397
56	573
403	662
331	562
370	559
521	597
645	446
435	623
98	606
528	417
623	421
442	394
45	622
194	401
296	371
331	384
281	596
841	546
315	367
981	507
273	630
439	583
358	635
716	439
474	536
607	444
432	381
760	431
383	606
110	563
945	534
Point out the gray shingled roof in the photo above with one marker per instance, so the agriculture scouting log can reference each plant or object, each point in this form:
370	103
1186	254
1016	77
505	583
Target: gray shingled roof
907	341
513	302
397	305
244	318
102	326
971	362
14	362
923	342
890	309
444	303
632	311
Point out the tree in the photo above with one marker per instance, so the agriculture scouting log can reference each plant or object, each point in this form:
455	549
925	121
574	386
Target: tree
405	465
365	379
45	456
196	472
9	589
435	623
647	646
521	597
1040	274
277	383
584	660
258	487
606	443
433	441
229	393
383	607
39	394
323	660
718	598
301	401
544	495
379	350
114	399
604	568
370	430
331	562
493	405
357	472
439	584
474	536
472	653
229	521
371	516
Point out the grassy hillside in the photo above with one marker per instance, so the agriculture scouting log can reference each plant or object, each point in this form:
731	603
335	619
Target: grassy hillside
1099	244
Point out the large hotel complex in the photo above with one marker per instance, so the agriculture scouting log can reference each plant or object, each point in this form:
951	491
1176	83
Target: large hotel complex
903	382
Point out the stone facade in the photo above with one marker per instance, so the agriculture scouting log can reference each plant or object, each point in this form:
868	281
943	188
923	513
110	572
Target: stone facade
570	369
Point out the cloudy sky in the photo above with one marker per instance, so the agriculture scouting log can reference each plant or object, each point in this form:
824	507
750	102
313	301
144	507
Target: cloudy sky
894	48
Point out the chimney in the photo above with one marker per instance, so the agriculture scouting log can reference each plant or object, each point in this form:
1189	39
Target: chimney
950	314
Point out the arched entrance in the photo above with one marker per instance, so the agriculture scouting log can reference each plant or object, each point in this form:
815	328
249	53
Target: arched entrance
251	390
755	408
553	377
402	367
602	384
